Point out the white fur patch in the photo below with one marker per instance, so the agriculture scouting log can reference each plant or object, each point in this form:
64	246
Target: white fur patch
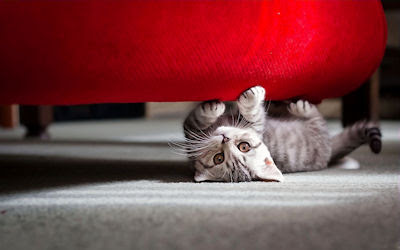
347	163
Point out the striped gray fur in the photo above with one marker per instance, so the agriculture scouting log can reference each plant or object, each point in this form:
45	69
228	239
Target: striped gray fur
298	142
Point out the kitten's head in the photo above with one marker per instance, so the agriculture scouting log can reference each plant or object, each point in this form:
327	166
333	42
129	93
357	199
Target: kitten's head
234	154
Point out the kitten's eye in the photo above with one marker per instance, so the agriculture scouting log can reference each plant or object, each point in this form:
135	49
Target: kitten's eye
219	158
244	147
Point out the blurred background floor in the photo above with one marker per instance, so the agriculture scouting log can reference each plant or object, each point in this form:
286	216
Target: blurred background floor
117	185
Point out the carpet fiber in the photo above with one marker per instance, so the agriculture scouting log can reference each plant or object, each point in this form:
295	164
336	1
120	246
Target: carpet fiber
86	189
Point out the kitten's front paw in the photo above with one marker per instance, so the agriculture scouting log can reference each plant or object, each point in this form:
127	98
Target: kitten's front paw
303	109
252	97
211	109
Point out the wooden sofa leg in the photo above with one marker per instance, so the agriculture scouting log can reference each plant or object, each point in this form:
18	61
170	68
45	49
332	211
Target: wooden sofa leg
9	116
363	103
36	119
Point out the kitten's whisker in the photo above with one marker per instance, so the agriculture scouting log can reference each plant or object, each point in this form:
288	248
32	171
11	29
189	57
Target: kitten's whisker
243	122
201	131
196	142
205	135
180	153
187	154
269	104
178	149
232	117
193	139
188	148
190	151
199	136
238	119
192	133
234	121
195	150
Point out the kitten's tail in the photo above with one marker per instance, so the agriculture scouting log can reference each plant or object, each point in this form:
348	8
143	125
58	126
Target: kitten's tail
354	136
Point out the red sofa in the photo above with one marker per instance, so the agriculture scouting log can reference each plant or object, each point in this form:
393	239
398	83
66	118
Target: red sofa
94	51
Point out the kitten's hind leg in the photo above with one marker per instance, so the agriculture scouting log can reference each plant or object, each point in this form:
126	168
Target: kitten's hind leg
251	106
204	115
354	136
303	109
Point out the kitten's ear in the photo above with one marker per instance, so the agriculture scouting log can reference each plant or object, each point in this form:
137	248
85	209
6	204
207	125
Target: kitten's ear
269	172
201	176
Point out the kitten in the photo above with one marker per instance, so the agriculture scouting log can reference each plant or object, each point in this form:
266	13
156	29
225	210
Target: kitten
248	145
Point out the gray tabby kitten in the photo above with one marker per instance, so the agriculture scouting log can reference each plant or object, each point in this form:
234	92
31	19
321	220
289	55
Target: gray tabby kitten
248	145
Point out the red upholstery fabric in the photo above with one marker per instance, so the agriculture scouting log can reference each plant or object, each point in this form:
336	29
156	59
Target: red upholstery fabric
93	51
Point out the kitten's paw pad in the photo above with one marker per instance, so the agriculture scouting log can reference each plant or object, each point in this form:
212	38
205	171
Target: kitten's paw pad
303	109
252	97
211	109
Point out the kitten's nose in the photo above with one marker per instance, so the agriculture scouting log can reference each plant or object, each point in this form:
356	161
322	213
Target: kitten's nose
225	139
